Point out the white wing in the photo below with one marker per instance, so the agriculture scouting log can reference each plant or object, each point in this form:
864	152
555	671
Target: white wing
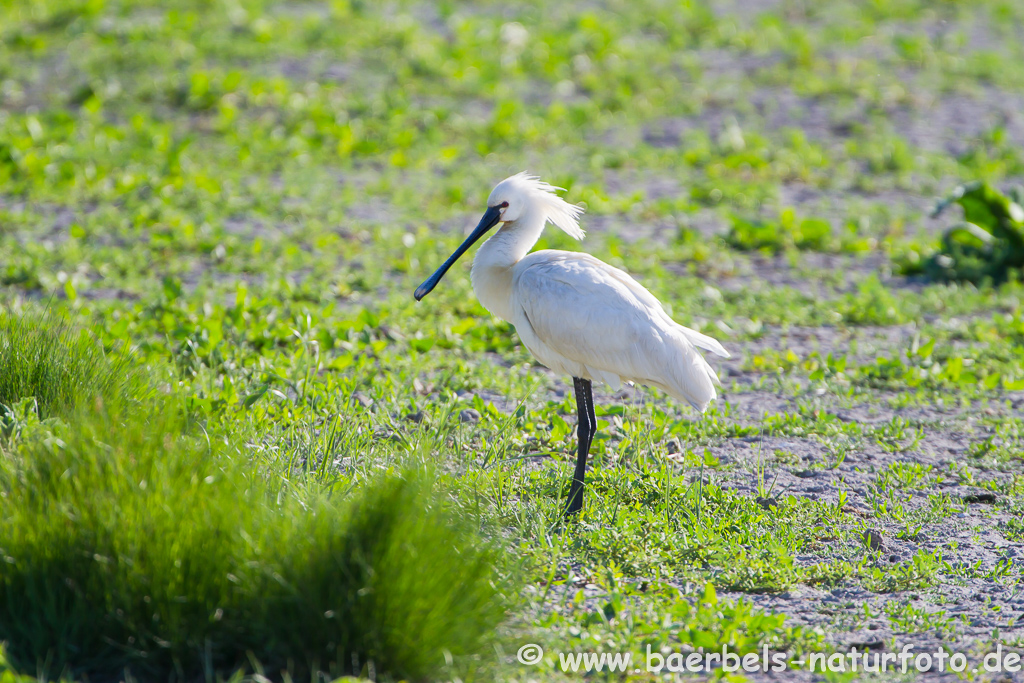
580	316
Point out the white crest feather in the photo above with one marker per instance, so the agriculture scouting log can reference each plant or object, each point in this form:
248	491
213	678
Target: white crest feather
561	213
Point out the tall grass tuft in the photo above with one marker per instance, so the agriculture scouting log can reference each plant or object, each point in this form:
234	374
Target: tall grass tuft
129	543
62	368
405	584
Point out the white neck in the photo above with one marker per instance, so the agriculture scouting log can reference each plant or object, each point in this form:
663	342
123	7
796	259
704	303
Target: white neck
492	265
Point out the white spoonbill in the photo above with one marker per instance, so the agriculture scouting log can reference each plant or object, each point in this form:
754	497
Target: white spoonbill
576	314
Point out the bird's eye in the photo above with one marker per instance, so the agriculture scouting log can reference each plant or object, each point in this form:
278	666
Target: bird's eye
503	205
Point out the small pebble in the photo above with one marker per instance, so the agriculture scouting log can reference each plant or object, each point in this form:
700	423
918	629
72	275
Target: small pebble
983	497
470	415
873	537
868	645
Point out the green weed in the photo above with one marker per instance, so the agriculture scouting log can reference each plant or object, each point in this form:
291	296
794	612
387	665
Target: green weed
988	245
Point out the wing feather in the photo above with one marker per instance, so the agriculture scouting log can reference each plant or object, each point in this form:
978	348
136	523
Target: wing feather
581	316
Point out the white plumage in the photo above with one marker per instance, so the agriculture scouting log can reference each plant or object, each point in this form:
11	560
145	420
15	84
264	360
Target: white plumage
584	318
578	315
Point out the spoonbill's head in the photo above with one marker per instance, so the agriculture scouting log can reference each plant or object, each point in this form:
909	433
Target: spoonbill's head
515	198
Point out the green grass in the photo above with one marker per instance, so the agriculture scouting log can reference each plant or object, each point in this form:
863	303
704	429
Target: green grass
236	200
61	369
134	542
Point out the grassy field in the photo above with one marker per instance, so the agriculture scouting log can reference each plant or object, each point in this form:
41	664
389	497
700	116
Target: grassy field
244	194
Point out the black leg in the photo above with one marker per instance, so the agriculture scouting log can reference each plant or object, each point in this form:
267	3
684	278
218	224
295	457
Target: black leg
591	415
586	425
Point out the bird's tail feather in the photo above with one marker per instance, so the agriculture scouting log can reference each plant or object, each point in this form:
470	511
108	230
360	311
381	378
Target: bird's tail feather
691	378
702	341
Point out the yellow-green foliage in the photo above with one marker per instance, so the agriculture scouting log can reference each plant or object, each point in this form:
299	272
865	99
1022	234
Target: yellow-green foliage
129	540
60	368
